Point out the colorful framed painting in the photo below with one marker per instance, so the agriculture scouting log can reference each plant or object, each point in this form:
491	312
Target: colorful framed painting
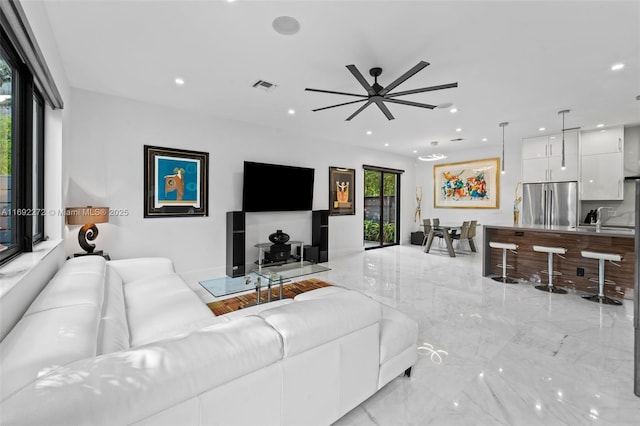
175	182
469	184
342	191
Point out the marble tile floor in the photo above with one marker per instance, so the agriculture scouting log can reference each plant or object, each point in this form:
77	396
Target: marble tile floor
493	354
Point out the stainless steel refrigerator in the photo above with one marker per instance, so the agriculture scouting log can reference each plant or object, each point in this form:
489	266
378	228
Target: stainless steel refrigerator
553	203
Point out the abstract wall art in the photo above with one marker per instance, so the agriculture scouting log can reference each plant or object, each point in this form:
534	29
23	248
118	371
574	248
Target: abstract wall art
470	184
175	182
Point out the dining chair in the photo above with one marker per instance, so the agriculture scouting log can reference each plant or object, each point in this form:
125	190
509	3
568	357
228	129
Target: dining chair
437	233
463	235
472	234
426	224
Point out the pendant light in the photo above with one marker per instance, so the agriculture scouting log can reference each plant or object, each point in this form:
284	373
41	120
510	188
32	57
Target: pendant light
563	112
502	162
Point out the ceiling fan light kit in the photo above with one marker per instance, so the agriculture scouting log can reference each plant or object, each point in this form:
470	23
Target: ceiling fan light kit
376	94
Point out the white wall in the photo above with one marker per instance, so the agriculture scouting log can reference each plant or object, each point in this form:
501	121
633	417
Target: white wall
513	174
104	158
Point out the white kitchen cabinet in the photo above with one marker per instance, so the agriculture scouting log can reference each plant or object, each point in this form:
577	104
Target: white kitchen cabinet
542	158
602	164
535	147
603	141
599	178
535	170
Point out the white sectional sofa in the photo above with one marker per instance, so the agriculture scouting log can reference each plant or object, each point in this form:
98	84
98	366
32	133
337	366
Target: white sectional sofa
128	342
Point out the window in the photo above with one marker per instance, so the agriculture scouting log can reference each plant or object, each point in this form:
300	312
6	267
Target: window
8	236
21	156
38	168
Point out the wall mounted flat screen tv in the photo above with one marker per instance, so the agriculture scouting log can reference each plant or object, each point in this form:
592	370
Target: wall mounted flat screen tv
276	188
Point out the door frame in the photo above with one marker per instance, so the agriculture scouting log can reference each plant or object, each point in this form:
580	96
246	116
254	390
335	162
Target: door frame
382	171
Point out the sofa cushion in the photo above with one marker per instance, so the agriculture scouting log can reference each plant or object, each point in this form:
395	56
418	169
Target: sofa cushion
159	306
79	281
255	309
46	340
60	326
142	267
128	386
320	292
309	323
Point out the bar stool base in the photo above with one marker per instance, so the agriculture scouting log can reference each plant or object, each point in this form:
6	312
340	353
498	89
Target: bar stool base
551	289
602	299
505	280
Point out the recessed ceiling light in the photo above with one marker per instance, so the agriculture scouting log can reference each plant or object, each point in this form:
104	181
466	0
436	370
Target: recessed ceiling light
286	25
542	129
617	67
458	129
291	111
230	1
415	151
484	139
369	132
600	125
453	110
179	81
603	130
386	144
552	137
432	157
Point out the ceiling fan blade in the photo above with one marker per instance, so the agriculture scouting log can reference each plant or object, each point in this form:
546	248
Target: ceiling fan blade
384	109
361	79
424	89
404	77
335	93
333	106
416	104
369	102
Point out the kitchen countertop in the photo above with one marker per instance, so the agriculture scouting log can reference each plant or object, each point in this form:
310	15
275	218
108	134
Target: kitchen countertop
605	231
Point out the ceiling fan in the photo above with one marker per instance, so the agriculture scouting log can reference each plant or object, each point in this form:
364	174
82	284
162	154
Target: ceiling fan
376	94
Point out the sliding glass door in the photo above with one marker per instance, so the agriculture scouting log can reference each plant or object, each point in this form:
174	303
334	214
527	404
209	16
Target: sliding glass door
381	207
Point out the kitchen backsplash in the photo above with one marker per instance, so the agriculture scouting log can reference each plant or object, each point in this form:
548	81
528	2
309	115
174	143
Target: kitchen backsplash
624	210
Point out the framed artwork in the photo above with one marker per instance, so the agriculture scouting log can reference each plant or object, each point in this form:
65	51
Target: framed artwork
342	191
469	184
175	182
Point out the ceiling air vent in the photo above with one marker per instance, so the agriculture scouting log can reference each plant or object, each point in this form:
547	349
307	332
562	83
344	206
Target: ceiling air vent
264	85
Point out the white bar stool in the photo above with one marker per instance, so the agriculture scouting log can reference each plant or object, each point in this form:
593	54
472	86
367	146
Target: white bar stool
551	251
504	246
611	257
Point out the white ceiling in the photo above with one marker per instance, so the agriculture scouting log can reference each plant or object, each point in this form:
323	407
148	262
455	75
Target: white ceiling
516	61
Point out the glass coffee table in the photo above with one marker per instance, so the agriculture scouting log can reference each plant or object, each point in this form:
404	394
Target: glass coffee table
253	281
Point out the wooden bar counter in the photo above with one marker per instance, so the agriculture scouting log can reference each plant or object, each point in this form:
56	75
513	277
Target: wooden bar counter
528	264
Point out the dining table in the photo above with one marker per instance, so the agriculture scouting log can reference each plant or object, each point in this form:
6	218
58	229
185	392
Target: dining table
446	234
